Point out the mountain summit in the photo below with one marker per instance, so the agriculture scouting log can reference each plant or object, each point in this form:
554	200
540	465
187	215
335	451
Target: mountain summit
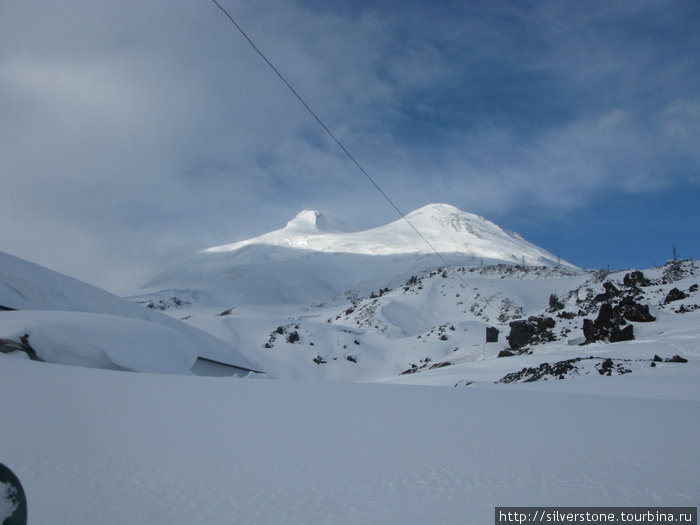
315	257
314	221
449	230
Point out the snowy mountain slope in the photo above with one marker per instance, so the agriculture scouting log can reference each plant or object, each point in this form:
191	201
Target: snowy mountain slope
379	335
431	328
314	259
117	333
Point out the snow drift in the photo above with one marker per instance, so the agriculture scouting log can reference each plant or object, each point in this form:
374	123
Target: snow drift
119	334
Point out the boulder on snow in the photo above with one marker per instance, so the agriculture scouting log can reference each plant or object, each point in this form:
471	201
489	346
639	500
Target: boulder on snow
636	280
521	332
633	311
611	291
554	303
622	334
492	334
511	353
536	329
607	326
675	295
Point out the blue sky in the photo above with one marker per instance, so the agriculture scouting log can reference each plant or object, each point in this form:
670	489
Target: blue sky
134	132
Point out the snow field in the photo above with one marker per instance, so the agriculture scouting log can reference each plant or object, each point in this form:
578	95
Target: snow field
94	446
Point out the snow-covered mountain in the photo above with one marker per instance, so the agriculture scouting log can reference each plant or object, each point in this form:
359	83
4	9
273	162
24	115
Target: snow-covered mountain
315	258
316	301
448	229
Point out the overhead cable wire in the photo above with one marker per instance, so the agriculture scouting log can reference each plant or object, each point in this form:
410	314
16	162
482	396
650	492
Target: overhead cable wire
340	144
328	131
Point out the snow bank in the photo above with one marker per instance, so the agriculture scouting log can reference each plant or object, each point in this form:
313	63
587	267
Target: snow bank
27	286
101	341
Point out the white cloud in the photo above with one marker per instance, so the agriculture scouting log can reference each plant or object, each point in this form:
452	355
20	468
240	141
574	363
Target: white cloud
132	131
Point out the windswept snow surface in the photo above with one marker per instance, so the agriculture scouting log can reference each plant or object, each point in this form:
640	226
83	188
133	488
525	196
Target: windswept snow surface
94	446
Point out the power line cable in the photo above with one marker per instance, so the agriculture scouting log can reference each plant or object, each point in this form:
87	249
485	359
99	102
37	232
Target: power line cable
341	146
329	132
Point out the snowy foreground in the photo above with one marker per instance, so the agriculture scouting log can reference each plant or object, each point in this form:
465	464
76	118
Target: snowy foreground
97	446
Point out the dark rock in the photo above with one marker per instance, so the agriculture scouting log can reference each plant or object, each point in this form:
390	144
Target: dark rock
351	359
562	369
543	323
607	325
492	334
683	309
527	375
675	295
534	330
635	280
693	288
554	303
610	292
673	272
319	360
608	367
677	359
8	346
600	329
293	337
606	315
657	358
633	311
510	353
414	368
521	332
624	334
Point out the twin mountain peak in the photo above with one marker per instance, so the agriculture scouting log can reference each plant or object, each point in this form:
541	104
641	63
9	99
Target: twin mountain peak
447	229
